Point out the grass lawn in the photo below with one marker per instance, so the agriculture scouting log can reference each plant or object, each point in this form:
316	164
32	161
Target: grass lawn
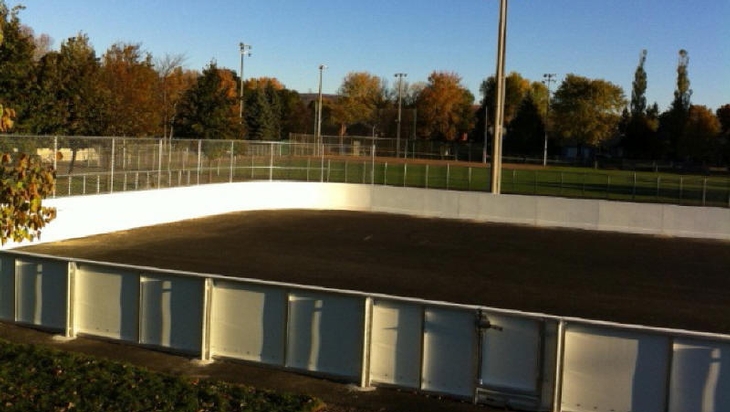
574	182
42	379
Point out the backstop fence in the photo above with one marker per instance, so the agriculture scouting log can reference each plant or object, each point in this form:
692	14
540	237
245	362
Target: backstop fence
94	165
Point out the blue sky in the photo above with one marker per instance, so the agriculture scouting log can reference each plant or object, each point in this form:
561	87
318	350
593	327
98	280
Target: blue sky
291	38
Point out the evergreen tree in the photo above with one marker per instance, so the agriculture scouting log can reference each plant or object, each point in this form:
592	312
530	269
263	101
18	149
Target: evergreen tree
294	114
272	98
683	93
69	97
639	126
638	91
723	116
673	122
209	108
260	118
526	130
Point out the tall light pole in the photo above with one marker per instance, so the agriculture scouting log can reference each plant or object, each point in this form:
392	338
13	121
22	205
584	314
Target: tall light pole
400	77
486	127
245	50
318	137
499	112
549	78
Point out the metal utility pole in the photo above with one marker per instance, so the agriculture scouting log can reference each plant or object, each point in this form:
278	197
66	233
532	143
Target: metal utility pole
486	128
499	112
549	78
245	50
318	137
400	77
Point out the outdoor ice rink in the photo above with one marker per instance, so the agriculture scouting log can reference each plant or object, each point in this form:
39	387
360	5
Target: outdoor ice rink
637	279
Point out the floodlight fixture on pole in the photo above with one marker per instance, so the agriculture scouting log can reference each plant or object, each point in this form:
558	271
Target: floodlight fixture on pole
499	109
549	78
400	77
318	137
245	50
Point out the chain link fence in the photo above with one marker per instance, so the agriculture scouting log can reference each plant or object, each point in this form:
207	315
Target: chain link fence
94	165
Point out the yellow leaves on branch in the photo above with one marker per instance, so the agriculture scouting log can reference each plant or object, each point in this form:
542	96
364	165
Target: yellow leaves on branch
6	118
24	183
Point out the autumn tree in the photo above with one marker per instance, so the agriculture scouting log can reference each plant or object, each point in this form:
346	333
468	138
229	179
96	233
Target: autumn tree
701	141
516	89
209	108
173	81
361	95
586	111
445	107
7	119
25	182
132	81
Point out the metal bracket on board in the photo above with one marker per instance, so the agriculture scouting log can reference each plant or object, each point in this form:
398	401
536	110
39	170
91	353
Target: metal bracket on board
483	322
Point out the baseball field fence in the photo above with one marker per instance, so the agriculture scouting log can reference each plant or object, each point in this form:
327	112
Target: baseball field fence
96	165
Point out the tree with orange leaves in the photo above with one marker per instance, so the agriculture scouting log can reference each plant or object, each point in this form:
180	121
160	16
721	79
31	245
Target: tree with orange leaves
445	107
360	96
129	75
25	182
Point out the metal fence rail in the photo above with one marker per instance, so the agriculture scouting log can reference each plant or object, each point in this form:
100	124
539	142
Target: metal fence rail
93	165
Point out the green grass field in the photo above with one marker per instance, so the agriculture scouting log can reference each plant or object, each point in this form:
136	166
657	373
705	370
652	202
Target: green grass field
574	182
563	182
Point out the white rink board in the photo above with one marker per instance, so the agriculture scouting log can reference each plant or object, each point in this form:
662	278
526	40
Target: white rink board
511	356
89	215
7	288
325	333
700	379
614	370
107	302
42	290
172	312
248	322
449	351
396	343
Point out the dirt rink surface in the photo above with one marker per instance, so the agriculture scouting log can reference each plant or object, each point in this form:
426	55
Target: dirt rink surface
638	279
648	280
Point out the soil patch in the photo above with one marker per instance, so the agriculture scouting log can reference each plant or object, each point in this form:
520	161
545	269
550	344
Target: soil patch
639	279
